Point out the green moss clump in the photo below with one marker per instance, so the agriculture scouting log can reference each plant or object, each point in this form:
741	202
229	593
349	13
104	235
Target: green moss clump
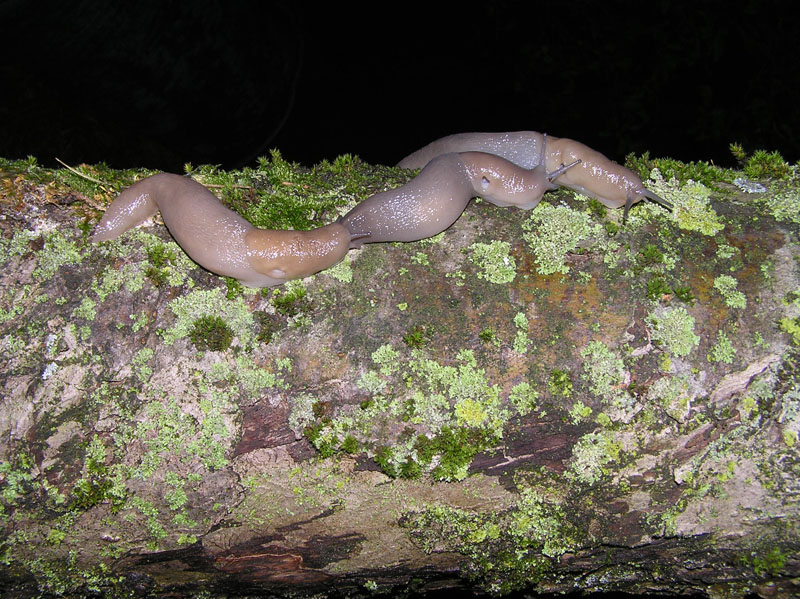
210	332
657	288
160	258
292	300
761	164
417	336
560	383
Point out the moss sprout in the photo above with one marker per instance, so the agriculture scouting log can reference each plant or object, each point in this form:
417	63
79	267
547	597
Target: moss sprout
209	332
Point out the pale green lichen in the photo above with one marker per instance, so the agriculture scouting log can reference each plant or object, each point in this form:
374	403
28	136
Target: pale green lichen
19	244
579	412
387	358
420	258
603	370
494	260
722	350
692	210
783	205
58	251
302	411
86	310
112	280
523	397
139	364
674	329
188	308
342	272
673	393
726	285
591	455
521	340
552	232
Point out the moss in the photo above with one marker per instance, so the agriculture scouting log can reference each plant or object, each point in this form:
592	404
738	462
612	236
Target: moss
657	288
209	332
726	285
552	232
234	313
496	264
489	336
650	255
702	171
290	300
674	329
761	164
160	257
417	336
560	383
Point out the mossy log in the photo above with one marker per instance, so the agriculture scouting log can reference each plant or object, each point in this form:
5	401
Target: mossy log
550	400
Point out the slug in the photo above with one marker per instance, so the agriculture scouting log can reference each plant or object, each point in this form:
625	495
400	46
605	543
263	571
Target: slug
434	199
597	176
220	240
505	169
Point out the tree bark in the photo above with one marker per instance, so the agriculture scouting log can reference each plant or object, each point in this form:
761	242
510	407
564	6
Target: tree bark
548	401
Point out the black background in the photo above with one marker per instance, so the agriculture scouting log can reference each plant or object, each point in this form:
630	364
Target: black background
163	83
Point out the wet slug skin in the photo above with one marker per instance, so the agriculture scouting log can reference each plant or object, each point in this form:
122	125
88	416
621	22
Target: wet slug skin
506	169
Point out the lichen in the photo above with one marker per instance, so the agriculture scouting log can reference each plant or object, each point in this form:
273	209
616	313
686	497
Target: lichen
521	340
494	260
726	285
591	456
722	350
235	314
692	210
674	329
552	232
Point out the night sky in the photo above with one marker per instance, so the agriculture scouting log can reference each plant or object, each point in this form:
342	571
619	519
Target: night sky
162	83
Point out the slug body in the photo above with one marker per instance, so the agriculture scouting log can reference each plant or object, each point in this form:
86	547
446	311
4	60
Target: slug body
423	207
434	199
217	238
596	176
